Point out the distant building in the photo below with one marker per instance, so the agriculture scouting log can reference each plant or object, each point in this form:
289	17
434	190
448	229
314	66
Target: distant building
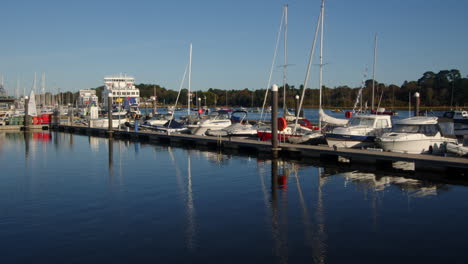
87	97
6	102
121	87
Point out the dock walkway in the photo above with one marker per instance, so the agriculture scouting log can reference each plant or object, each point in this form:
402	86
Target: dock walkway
421	162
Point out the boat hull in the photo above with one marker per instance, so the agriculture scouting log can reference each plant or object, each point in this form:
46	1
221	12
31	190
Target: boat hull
349	141
412	146
266	135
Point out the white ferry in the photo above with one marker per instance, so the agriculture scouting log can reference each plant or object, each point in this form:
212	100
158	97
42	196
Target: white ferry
122	87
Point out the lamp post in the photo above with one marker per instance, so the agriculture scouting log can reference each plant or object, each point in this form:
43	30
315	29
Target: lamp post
199	106
205	99
418	102
297	104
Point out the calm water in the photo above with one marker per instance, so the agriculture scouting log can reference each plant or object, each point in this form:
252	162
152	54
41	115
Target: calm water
77	199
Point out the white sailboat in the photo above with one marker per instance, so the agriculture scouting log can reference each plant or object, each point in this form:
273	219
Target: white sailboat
32	108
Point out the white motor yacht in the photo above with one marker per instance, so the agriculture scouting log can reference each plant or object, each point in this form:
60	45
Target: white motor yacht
216	120
414	135
460	121
239	127
117	121
360	131
158	119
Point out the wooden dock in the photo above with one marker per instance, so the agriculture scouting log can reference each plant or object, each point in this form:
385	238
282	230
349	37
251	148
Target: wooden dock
21	128
379	159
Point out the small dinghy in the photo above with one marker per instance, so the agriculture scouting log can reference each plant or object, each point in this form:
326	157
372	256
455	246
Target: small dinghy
457	149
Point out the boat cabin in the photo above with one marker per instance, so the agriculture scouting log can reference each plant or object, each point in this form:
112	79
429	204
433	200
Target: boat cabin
417	125
371	121
456	114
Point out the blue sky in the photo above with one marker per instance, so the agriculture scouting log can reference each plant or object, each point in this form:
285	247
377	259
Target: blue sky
77	43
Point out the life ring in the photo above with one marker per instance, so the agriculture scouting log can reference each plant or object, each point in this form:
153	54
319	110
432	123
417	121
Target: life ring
282	123
348	114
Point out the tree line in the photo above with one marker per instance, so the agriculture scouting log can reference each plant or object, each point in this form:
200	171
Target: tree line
445	88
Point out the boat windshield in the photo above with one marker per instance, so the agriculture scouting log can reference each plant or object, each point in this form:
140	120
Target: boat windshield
428	130
361	121
219	115
162	117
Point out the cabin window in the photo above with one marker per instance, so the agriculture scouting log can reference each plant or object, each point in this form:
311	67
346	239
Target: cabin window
428	130
382	123
448	114
361	122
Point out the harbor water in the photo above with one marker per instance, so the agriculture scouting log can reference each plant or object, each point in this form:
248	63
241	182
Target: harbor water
79	199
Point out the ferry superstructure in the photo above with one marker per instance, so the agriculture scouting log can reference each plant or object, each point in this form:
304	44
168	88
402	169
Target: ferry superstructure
120	87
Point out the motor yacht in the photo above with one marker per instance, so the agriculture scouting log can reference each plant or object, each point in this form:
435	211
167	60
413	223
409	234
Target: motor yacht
215	121
158	119
360	131
117	120
239	127
414	135
460	121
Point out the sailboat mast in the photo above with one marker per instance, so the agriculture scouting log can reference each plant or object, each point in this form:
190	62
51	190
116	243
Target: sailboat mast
189	80
17	87
373	69
306	80
34	83
321	62
285	57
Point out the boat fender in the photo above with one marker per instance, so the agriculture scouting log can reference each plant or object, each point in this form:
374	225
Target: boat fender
348	114
282	123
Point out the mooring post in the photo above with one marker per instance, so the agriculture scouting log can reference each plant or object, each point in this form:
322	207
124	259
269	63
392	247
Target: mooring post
109	114
26	113
274	121
418	102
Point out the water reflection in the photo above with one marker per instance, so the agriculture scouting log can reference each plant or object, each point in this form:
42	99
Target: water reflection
366	181
285	208
186	195
110	155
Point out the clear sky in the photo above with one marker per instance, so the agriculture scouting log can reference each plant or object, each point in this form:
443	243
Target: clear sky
77	43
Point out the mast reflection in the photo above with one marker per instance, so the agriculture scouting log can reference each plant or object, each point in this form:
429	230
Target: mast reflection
110	152
190	207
